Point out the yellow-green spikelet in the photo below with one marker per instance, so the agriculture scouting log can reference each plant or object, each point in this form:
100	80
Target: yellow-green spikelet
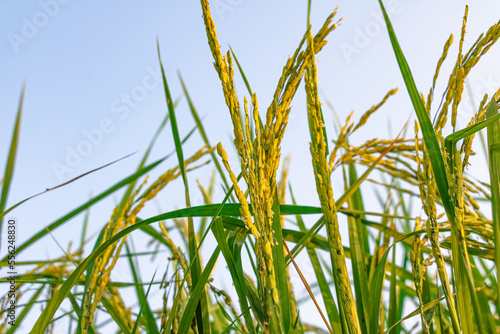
325	192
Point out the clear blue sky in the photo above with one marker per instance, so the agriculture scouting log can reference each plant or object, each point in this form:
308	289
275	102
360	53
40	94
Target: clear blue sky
91	70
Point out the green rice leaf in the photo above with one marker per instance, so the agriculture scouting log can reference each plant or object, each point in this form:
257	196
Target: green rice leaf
141	297
115	315
26	309
326	293
494	159
196	294
202	313
151	325
430	139
356	242
416	312
463	270
237	276
11	159
84	206
279	267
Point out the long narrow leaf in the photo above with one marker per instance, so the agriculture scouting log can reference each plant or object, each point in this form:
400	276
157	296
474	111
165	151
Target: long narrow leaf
279	267
9	167
202	309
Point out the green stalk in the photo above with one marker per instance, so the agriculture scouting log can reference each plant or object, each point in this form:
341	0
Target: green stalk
494	159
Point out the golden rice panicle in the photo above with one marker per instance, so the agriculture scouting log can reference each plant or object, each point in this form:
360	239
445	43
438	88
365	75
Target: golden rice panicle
260	157
481	46
122	218
325	192
368	113
93	294
455	85
177	254
436	73
207	199
283	180
219	64
281	198
459	74
279	110
164	179
418	272
128	218
245	211
466	148
248	143
255	151
457	95
341	140
463	66
229	303
118	304
224	68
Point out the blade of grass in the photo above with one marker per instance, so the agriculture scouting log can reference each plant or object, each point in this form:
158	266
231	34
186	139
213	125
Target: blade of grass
78	311
9	167
463	270
145	307
202	312
279	266
426	307
141	297
238	279
231	325
356	242
494	165
393	301
254	301
171	316
377	282
307	287
247	84
357	203
116	316
308	14
326	293
84	206
430	138
61	185
53	304
196	294
203	134
132	184
84	230
489	322
26	309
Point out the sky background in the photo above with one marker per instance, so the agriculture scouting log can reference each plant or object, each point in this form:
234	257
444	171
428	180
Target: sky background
91	69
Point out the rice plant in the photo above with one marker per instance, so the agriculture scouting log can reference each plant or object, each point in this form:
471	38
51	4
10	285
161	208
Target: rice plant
395	271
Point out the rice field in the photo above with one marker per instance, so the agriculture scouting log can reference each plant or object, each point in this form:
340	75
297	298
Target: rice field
397	269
